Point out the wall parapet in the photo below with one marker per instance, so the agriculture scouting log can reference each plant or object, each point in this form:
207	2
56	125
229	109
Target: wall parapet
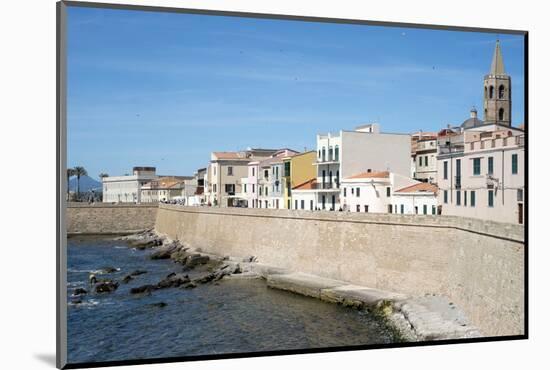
499	230
106	218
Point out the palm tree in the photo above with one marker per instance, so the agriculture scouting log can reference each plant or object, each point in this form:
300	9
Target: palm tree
102	175
70	173
79	171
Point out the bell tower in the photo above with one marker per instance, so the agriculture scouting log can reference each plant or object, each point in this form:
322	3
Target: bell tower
497	93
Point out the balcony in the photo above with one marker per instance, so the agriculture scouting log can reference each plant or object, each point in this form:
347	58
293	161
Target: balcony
334	186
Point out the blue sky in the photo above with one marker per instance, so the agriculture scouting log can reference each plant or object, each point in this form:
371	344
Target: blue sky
166	89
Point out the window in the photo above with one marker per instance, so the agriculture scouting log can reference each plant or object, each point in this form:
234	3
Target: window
357	192
420	161
276	172
296	204
501	92
260	190
324	174
230	188
472	198
445	199
458	169
336	153
330	153
491	92
477	166
425	209
245	188
433	210
253	171
402	208
490	165
388	191
344	192
501	114
311	205
490	197
215	188
323	154
465	198
323	200
445	172
266	191
287	168
520	195
426	161
266	174
352	191
302	204
458	197
358	208
514	164
366	209
229	171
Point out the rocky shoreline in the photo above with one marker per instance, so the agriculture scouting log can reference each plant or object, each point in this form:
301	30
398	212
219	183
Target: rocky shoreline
423	318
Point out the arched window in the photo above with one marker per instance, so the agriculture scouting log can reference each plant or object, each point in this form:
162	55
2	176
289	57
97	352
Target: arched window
485	92
491	92
501	114
501	92
485	113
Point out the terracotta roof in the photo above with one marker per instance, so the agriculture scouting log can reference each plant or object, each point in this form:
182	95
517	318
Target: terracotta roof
370	175
423	187
308	185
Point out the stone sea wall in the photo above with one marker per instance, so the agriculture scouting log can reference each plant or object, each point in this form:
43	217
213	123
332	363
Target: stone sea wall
105	218
479	265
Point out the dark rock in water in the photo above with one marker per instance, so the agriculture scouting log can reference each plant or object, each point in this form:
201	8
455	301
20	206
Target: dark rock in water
195	260
237	270
142	289
76	301
160	304
180	256
107	270
173	281
106	286
165	252
205	279
148	242
127	279
138	272
80	291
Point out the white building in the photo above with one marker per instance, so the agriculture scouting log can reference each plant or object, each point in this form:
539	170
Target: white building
419	198
347	153
304	196
484	177
127	189
424	156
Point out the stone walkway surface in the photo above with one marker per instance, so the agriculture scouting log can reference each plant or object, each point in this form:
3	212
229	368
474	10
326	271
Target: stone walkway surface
417	318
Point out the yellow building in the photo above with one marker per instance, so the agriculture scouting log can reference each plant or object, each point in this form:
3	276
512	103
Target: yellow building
298	169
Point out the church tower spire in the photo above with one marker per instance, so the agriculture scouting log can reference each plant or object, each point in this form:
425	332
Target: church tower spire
497	98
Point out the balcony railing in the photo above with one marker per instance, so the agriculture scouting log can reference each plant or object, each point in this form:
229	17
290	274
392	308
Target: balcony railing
445	149
327	186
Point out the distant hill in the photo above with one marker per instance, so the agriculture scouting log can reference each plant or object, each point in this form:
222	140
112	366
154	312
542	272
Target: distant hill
86	184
